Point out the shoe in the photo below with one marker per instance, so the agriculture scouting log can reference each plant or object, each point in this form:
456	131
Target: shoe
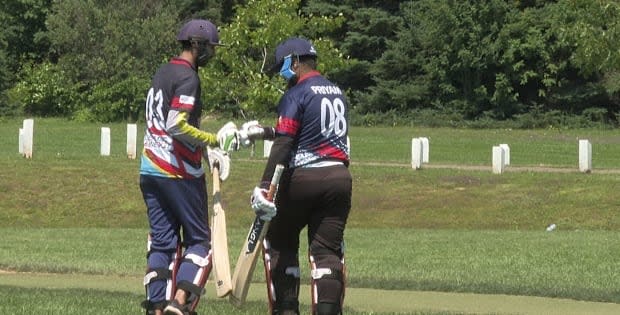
174	308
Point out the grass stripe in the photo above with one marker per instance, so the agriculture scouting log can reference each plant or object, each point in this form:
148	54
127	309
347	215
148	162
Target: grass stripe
361	300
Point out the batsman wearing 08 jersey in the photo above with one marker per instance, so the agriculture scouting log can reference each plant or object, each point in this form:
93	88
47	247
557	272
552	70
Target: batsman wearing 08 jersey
172	179
315	190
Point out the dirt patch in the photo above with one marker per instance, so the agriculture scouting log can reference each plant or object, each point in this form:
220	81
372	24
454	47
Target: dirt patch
7	272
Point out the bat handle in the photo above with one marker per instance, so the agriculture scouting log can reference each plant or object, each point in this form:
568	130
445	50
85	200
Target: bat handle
275	179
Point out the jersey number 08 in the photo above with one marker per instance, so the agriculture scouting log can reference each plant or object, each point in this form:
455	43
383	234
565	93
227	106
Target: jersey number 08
333	117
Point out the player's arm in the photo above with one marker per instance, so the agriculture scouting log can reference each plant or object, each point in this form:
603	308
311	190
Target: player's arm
179	127
261	203
280	154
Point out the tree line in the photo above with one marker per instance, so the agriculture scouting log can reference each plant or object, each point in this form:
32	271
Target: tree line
439	62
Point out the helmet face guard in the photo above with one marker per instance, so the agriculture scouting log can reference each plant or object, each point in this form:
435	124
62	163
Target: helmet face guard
204	50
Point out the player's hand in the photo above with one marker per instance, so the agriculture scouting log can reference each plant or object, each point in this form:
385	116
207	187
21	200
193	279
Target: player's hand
228	137
250	131
263	208
216	157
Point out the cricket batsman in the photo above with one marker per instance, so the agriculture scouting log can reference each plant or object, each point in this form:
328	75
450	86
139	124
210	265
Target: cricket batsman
172	179
315	190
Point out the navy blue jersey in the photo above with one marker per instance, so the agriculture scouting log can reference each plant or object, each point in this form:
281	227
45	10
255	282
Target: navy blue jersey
314	113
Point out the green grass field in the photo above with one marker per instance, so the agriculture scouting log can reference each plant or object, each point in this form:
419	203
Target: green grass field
69	211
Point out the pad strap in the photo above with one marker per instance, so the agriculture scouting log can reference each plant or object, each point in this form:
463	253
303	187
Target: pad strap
327	273
150	306
191	288
157	274
197	260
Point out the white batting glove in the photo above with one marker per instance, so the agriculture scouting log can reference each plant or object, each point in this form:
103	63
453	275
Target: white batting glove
250	131
217	156
228	137
263	208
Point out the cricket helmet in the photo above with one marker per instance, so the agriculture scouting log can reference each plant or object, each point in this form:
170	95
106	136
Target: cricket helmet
294	46
201	30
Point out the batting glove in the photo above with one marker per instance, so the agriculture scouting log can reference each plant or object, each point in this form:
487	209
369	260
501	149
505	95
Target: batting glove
263	208
228	137
217	158
250	131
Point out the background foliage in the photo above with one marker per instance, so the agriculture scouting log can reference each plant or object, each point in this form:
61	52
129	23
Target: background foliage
472	63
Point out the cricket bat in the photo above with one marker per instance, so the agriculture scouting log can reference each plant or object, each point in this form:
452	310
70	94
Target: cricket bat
244	269
219	241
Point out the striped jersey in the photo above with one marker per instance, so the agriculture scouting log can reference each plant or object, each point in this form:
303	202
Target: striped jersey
314	112
174	96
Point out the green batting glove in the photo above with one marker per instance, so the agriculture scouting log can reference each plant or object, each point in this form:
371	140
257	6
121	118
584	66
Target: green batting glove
228	137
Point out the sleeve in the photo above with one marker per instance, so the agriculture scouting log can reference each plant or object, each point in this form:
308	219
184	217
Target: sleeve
280	154
289	119
182	104
286	131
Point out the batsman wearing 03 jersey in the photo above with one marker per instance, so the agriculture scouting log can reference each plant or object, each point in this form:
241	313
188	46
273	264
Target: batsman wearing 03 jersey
172	179
315	190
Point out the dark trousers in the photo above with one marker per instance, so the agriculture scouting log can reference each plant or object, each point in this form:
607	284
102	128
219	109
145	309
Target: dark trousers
319	198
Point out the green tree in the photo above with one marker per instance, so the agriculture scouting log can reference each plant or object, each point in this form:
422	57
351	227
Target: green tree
492	59
236	81
592	29
111	49
22	23
362	36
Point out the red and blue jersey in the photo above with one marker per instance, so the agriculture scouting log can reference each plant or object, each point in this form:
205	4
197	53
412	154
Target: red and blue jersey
314	113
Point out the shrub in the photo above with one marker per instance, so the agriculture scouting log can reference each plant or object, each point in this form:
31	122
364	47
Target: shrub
44	90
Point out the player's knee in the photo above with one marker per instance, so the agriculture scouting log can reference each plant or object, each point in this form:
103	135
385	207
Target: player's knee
327	287
328	267
324	308
328	282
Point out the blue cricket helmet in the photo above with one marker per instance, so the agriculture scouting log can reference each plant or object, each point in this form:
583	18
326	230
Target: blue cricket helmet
295	46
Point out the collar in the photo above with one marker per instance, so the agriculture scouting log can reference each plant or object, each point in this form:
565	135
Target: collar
310	74
181	61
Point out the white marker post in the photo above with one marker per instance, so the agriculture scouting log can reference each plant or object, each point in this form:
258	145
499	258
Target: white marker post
105	141
21	141
425	149
498	160
585	156
267	147
349	146
132	135
28	137
416	153
506	153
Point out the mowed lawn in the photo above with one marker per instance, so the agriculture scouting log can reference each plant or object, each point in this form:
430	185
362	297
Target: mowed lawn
436	229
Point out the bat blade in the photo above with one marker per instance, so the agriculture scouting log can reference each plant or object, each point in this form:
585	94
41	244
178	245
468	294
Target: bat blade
219	242
244	269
